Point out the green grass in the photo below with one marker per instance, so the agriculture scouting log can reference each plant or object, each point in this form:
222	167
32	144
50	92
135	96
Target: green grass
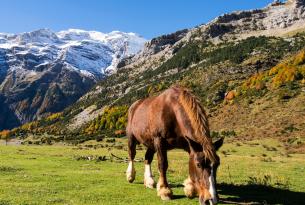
51	175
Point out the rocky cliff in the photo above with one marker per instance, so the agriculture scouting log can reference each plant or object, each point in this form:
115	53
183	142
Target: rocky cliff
42	72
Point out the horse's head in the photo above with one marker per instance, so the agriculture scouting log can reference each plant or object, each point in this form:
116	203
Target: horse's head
203	173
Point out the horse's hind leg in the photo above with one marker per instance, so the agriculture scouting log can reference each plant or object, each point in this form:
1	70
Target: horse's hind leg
162	187
148	177
131	173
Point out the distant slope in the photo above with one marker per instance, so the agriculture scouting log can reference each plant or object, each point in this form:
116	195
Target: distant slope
42	72
226	68
212	60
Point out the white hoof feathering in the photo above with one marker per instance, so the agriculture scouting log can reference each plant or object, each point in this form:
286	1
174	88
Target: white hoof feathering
148	178
165	193
189	188
149	183
131	172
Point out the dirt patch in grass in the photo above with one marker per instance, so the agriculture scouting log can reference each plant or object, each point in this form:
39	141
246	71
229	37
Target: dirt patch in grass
8	169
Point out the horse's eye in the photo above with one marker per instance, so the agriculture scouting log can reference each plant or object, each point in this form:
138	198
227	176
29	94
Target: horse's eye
198	165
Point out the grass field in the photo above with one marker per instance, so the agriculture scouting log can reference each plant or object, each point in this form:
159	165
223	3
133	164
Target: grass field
252	172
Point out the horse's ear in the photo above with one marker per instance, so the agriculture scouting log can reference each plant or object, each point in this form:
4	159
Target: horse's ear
218	143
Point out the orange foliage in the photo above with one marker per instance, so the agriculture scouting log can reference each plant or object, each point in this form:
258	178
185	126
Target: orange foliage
257	81
230	95
287	71
4	134
119	132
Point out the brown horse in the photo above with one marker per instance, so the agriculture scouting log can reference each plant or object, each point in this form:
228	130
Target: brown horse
174	119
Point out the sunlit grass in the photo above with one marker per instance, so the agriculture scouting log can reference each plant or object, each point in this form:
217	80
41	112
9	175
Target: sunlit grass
52	175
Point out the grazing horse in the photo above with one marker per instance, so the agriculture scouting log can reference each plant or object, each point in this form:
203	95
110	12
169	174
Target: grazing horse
174	119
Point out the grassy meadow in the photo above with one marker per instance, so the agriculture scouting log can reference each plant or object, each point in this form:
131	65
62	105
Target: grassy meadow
251	172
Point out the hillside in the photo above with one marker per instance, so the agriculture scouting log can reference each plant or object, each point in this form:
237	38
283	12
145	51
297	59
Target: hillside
42	72
246	68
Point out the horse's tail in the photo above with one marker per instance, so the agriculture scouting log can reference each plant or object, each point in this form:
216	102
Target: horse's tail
199	122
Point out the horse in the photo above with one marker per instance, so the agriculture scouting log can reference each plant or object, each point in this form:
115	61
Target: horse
174	119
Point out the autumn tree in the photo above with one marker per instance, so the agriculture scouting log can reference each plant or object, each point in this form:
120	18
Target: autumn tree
5	135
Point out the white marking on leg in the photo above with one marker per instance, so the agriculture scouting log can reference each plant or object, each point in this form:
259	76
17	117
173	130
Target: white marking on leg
130	173
148	177
147	170
212	188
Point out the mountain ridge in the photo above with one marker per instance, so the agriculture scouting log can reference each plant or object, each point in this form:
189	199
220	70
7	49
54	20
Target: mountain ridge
211	59
44	71
151	58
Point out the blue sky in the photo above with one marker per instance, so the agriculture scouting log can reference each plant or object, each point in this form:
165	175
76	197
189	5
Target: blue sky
147	18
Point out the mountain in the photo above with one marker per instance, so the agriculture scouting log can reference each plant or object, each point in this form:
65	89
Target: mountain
42	72
246	67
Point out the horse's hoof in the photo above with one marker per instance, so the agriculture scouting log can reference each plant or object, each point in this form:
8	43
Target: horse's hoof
165	193
149	183
130	179
130	176
189	188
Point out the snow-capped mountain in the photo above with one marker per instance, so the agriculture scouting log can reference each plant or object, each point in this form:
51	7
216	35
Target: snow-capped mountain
44	71
90	52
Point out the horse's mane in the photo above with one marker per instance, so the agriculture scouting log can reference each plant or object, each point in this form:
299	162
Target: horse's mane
199	122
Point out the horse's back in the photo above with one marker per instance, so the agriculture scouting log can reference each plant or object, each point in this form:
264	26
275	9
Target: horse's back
153	115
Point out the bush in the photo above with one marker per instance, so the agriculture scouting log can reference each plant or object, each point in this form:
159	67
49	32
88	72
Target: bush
113	118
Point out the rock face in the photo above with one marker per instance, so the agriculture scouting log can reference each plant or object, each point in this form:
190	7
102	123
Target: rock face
296	3
155	52
43	72
277	19
160	43
31	86
158	64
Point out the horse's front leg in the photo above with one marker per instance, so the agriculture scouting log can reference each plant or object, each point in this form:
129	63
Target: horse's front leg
148	176
162	187
130	172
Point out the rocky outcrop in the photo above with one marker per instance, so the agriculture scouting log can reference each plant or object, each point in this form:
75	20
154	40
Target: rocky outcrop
145	70
43	72
160	43
276	19
54	89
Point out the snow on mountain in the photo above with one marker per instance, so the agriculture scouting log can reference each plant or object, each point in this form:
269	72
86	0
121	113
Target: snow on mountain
91	51
43	72
119	43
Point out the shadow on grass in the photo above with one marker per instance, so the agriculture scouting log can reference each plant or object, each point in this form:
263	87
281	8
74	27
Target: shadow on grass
259	194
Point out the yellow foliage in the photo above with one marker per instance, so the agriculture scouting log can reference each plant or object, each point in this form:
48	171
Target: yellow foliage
275	69
30	126
54	116
286	74
299	58
287	71
112	118
301	70
257	81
